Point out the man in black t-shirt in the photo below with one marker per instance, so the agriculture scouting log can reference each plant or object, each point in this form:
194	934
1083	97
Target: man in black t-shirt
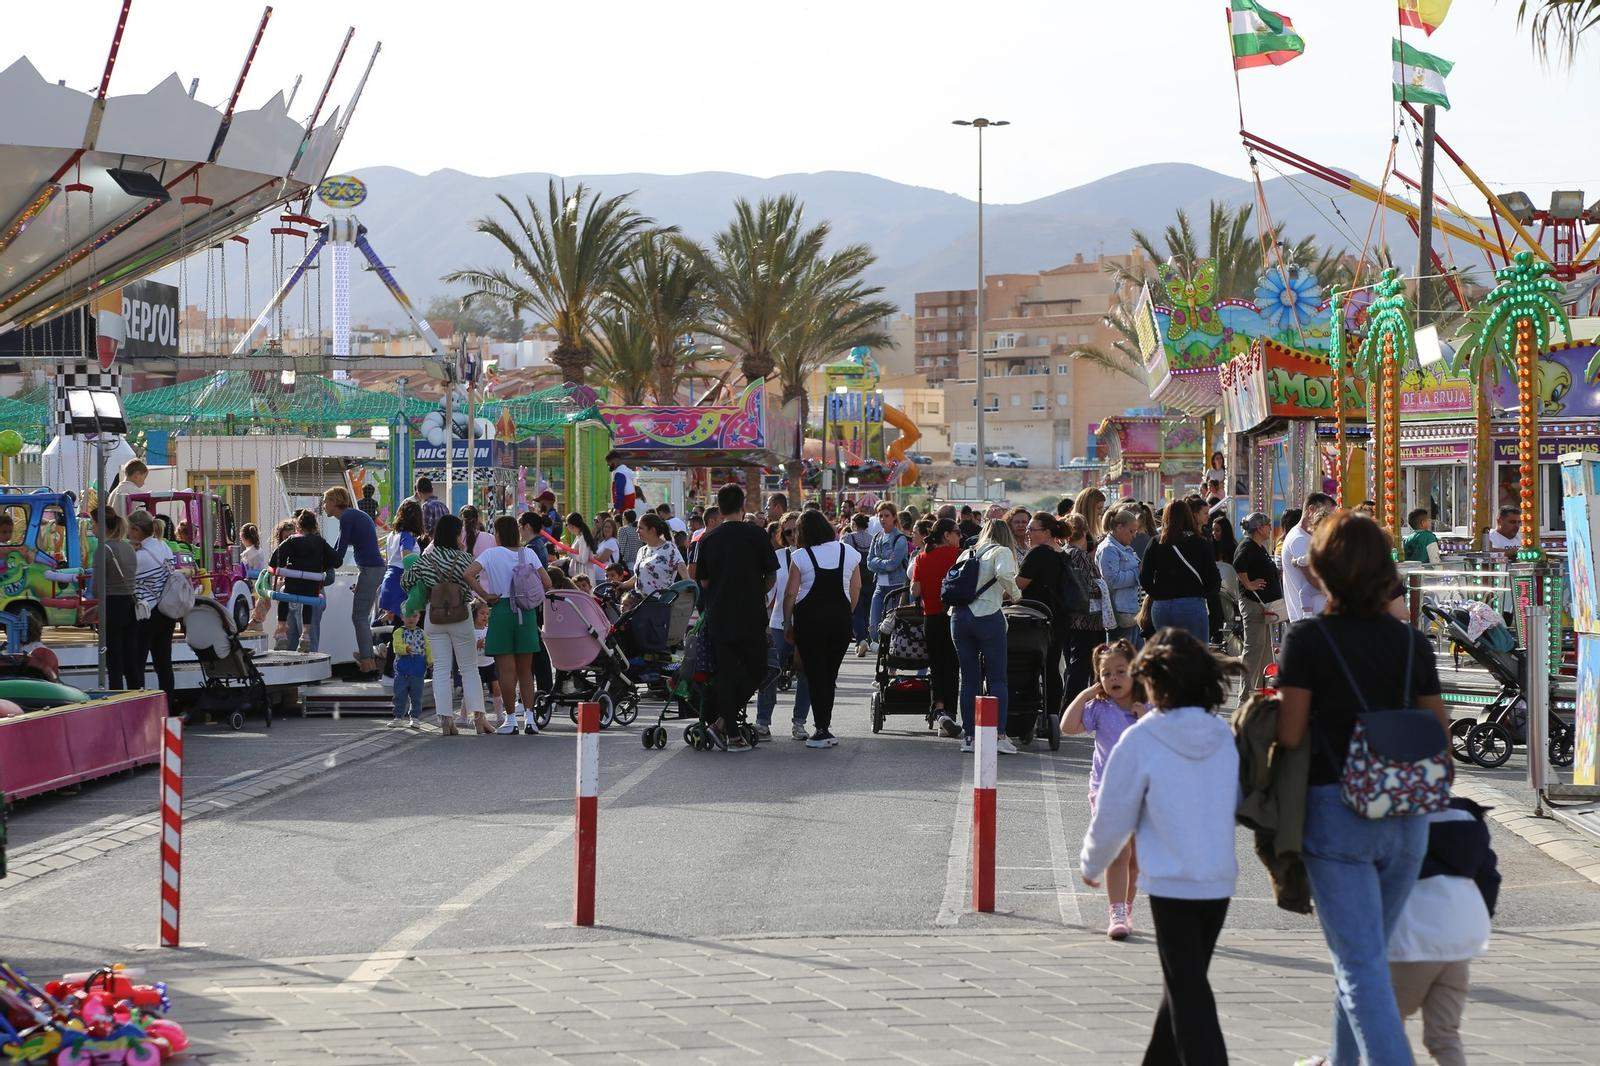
735	566
1260	596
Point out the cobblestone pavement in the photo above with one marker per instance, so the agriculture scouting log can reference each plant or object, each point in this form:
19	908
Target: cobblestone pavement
973	996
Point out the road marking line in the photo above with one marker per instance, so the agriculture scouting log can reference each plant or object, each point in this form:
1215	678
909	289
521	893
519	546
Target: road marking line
955	871
1060	852
382	962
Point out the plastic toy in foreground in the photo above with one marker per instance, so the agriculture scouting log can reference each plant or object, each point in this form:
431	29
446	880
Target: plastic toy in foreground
102	1016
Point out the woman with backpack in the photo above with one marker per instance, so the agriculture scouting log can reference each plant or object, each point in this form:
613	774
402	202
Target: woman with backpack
939	553
450	577
153	567
974	589
1357	665
1179	576
516	584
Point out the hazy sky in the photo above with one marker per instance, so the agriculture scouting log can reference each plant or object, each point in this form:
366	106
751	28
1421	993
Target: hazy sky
606	86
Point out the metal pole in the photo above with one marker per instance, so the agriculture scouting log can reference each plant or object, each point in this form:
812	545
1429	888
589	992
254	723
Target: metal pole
472	412
978	374
827	405
101	565
449	440
1425	217
1536	687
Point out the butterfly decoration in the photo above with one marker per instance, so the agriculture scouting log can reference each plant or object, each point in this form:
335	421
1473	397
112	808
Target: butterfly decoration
1193	300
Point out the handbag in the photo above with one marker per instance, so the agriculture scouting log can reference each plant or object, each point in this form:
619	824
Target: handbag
1398	762
908	634
177	595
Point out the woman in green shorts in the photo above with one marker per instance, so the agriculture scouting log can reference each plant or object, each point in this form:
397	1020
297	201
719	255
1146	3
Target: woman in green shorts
512	641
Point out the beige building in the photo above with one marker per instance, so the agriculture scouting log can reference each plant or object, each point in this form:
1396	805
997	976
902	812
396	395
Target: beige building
942	327
1038	400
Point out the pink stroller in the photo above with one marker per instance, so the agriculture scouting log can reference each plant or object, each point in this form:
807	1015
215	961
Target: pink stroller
587	661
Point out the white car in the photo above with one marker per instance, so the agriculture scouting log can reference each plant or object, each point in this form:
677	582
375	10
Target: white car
1012	459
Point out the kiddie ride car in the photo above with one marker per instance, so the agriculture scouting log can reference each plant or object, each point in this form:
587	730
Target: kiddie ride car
87	1018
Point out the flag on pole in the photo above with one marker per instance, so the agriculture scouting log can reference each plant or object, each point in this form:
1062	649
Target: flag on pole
1424	15
1262	37
1418	76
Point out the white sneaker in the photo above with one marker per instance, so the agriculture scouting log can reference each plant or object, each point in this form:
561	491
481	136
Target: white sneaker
507	727
948	727
530	726
1004	746
799	733
966	745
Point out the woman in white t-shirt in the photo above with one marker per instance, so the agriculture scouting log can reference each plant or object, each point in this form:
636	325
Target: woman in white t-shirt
816	614
605	549
156	566
511	641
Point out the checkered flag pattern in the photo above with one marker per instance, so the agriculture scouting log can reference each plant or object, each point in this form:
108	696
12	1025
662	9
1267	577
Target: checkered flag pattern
79	375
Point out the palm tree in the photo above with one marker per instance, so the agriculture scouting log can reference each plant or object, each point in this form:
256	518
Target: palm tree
833	310
1515	330
564	259
1388	347
624	358
753	271
1559	25
664	290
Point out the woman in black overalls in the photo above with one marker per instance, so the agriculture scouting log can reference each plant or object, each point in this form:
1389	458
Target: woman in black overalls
817	620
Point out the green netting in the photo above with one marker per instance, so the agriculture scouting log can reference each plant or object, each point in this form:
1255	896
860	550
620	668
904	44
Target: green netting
236	400
545	410
28	414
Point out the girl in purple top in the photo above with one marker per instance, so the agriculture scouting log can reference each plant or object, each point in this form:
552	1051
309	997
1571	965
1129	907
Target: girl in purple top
1106	708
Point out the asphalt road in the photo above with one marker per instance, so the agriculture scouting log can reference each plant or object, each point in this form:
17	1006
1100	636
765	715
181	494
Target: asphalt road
465	843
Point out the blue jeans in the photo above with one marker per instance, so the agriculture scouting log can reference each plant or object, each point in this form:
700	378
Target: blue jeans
1361	868
981	650
859	618
365	595
408	696
297	623
1188	612
875	616
778	652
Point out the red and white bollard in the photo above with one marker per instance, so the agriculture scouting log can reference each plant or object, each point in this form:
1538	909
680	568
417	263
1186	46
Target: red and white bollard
983	803
171	830
588	811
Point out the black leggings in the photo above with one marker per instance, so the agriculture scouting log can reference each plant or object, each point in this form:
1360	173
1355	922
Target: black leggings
155	641
124	665
1186	1032
943	669
821	649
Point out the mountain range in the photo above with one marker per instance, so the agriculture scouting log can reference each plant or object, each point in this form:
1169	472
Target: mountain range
422	225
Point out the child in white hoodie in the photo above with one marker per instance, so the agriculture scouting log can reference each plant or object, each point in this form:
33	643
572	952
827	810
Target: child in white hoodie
1173	778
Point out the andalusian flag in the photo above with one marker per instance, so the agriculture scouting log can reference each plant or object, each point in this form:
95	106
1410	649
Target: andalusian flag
1262	37
1418	76
1424	15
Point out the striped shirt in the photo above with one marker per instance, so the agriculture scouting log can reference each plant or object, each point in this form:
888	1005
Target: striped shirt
438	565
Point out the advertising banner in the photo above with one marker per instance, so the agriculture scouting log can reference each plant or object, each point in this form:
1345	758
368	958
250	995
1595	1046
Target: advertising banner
150	317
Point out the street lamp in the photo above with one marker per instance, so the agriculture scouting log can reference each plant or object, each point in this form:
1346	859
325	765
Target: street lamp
980	124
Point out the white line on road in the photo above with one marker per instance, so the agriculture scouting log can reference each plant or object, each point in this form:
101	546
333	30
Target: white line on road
383	961
1060	850
955	871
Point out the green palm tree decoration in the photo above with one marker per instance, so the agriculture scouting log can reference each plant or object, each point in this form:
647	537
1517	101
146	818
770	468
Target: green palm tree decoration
664	290
753	271
1340	364
1388	347
564	260
624	358
1515	330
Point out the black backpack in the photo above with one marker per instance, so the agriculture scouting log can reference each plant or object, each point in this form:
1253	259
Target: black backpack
1072	590
960	585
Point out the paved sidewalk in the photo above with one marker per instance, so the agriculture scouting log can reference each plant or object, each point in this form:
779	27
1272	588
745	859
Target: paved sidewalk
1054	995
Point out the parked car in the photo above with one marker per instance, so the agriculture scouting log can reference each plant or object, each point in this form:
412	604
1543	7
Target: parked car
1011	459
920	458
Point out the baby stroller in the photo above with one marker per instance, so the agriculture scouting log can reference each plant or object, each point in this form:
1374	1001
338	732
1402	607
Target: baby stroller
688	695
589	665
903	647
1028	635
652	632
233	687
1488	740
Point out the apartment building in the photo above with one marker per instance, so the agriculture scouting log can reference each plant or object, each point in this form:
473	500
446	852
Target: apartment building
1038	400
942	326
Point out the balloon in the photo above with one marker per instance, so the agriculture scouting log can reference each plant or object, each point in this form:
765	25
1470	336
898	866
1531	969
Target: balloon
10	443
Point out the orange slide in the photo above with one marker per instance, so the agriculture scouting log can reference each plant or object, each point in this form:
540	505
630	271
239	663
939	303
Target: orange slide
909	435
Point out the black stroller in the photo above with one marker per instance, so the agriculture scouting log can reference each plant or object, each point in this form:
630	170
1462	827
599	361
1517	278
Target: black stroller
1028	635
233	686
1489	739
902	652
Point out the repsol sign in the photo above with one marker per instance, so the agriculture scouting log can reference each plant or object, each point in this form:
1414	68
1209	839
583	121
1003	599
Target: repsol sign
150	315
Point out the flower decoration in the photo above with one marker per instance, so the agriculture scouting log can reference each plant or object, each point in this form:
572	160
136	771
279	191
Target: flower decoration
1288	297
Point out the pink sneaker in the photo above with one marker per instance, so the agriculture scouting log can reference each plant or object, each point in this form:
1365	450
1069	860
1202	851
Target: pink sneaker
1118	928
1127	916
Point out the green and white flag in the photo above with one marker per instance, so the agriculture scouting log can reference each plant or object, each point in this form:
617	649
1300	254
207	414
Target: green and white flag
1261	37
1418	76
